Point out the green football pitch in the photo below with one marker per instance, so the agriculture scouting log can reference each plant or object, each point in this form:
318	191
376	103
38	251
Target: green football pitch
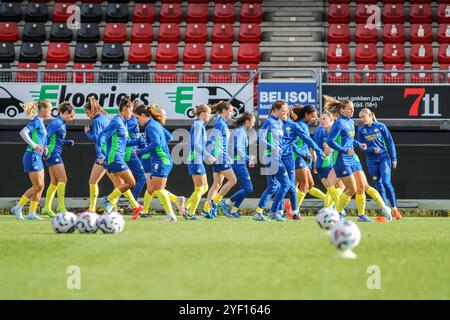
224	259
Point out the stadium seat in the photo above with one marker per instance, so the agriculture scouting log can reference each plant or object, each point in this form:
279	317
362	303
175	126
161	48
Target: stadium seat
221	53
339	1
115	33
34	32
224	13
194	53
223	33
30	52
138	77
95	1
9	32
421	53
420	1
443	35
144	13
192	77
369	77
260	1
338	53
444	76
142	32
113	76
66	1
422	77
250	33
338	33
59	32
362	13
220	77
365	35
443	13
195	32
224	1
113	53
359	1
167	53
30	76
198	1
36	12
393	76
249	53
197	13
5	76
91	12
170	12
366	53
117	12
60	12
394	33
88	32
140	53
338	77
421	33
242	77
394	53
393	13
444	53
169	32
167	77
58	52
420	13
7	52
339	13
10	12
251	13
171	1
55	76
85	52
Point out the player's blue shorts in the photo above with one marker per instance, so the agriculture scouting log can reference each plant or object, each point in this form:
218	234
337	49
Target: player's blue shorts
345	168
323	172
161	170
32	162
53	160
115	167
221	167
103	164
300	163
147	164
196	169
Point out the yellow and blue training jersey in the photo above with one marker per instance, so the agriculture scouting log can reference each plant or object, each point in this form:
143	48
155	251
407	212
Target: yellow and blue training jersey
377	136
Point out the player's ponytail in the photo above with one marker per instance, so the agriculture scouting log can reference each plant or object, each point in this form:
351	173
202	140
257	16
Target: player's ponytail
220	106
93	106
332	105
300	111
137	103
201	108
30	109
277	105
292	114
245	116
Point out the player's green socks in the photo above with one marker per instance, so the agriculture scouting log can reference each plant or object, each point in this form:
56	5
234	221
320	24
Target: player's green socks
61	190
49	195
93	196
343	201
127	194
316	193
361	203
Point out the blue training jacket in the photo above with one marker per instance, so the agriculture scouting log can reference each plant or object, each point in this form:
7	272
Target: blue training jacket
377	135
56	133
342	138
99	123
115	135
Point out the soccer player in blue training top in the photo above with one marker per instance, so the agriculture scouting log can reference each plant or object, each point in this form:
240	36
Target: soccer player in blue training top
381	155
56	133
35	135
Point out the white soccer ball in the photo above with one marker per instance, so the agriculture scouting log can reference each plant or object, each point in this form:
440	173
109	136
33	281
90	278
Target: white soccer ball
327	218
87	222
345	235
111	222
64	222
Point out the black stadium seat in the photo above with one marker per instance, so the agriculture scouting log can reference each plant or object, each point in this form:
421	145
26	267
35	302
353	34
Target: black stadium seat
85	52
117	12
34	32
113	53
7	52
91	12
10	12
37	12
5	76
30	52
104	77
88	32
60	33
138	77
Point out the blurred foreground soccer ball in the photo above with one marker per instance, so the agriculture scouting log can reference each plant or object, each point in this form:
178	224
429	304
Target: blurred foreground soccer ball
345	235
327	218
87	222
64	222
112	222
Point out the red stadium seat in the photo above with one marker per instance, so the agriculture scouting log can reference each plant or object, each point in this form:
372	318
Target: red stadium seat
197	13
193	77
250	32
144	12
249	53
169	32
338	53
251	1
142	32
242	77
221	53
392	1
170	12
196	32
58	52
172	1
27	76
421	53
338	33
167	53
60	13
220	77
223	33
443	13
140	53
444	76
224	1
55	76
419	1
224	13
194	53
443	35
369	77
366	1
251	13
393	76
366	53
394	53
338	77
169	77
420	13
66	1
198	1
83	77
444	53
366	35
9	32
338	13
115	32
393	33
422	77
393	13
421	33
363	12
